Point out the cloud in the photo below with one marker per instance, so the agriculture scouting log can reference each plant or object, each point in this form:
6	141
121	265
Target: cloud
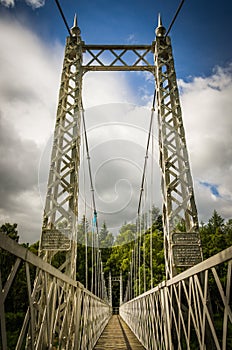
29	80
29	76
32	3
207	111
18	178
100	88
35	3
7	3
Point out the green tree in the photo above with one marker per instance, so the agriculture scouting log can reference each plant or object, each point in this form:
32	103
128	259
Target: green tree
127	233
10	230
106	239
213	235
155	214
82	231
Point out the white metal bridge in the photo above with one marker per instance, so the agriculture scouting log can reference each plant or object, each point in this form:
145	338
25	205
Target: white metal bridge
177	313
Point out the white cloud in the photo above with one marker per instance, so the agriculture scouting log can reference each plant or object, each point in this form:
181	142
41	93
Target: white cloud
101	88
29	80
35	3
207	108
7	3
29	76
32	3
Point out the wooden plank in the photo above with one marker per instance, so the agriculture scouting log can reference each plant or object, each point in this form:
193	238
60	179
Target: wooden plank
115	338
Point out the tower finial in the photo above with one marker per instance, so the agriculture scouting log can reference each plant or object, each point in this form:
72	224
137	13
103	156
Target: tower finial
160	30
75	21
160	24
75	29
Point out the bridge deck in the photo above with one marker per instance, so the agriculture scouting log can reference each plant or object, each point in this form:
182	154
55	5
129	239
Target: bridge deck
118	336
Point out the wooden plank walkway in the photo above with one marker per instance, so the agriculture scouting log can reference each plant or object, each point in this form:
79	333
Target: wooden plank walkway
118	336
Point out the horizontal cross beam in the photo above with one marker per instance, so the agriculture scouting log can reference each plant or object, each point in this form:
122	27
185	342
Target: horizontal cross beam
118	58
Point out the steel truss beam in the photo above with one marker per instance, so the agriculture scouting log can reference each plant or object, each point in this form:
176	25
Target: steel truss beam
117	58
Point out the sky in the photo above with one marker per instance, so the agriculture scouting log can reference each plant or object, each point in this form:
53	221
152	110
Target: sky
117	106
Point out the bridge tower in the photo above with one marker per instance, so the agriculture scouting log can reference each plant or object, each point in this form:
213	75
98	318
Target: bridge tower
57	303
59	231
180	220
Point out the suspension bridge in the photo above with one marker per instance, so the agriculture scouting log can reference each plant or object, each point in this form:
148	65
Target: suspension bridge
175	314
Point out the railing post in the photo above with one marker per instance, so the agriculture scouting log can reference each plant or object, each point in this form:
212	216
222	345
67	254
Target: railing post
121	289
110	289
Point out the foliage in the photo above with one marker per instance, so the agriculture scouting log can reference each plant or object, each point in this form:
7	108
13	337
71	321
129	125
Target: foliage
116	255
106	239
216	235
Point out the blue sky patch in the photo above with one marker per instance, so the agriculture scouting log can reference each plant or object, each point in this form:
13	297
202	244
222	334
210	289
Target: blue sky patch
212	187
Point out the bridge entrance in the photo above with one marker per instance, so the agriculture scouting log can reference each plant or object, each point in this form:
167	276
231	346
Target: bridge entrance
115	291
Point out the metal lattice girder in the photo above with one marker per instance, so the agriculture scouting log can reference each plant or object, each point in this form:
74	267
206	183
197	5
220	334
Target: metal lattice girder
61	207
118	58
179	207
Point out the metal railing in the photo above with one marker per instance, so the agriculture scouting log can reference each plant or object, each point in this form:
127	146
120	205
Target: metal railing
190	311
67	316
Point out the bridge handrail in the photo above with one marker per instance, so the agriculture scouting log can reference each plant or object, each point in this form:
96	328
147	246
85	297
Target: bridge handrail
91	321
178	313
213	261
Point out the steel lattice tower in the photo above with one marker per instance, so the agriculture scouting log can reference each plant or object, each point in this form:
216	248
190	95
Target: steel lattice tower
180	220
59	232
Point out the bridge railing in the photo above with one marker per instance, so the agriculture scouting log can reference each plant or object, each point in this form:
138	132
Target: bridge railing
64	315
190	311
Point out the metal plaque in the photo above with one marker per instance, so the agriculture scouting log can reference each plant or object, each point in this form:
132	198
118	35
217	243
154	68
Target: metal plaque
186	249
56	239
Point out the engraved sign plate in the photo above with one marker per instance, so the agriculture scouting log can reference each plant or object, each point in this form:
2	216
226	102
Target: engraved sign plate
186	249
56	239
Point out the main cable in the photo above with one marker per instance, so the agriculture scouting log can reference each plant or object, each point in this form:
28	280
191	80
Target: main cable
63	17
175	16
147	149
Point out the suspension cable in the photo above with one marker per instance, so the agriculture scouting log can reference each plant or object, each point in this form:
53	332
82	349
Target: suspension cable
175	16
63	17
147	149
144	247
85	224
90	170
151	203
